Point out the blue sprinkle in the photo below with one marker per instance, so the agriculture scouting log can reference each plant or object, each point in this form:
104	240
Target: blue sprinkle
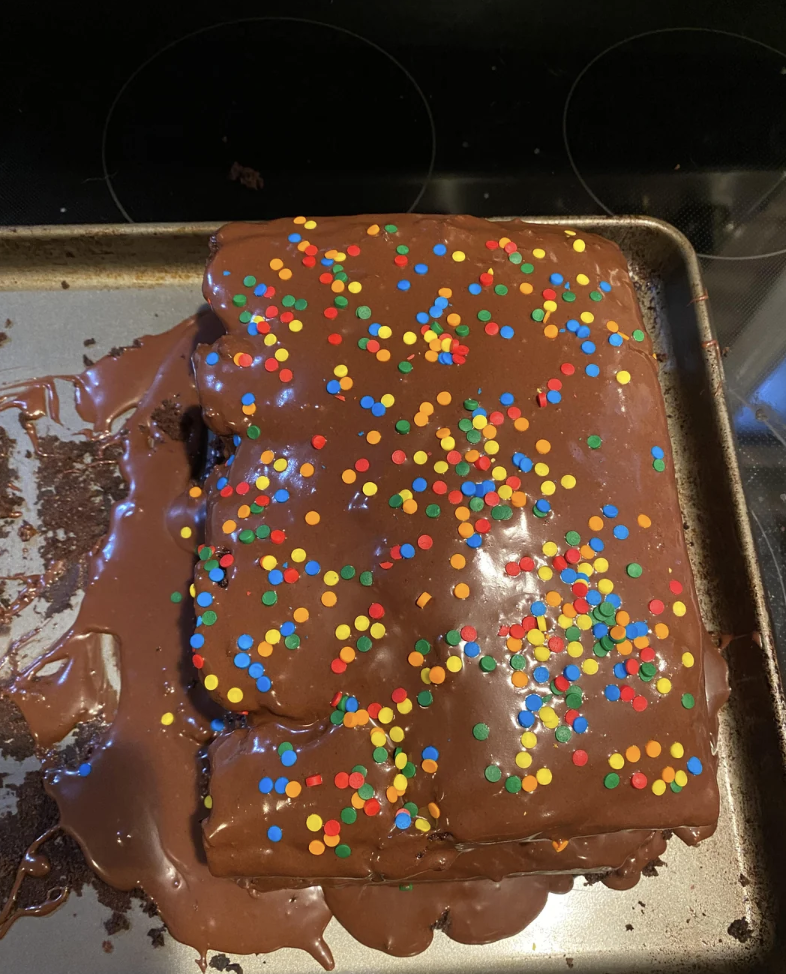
605	286
247	398
221	483
422	318
553	396
367	402
403	820
275	577
480	411
288	758
475	540
327	261
583	332
281	785
619	671
593	597
506	332
540	674
435	311
614	599
507	399
556	279
421	268
488	486
580	725
252	328
419	484
596	544
197	641
612	692
242	660
440	250
211	358
403	285
216	575
588	347
525	718
440	302
592	370
351	704
407	551
572	325
538	608
266	785
631	630
260	289
615	339
85	769
264	684
471	649
543	506
333	387
281	496
445	358
468	489
480	490
694	765
378	409
474	288
609	510
204	599
231	460
287	628
533	702
256	670
600	629
657	452
621	532
274	833
294	238
217	725
227	273
523	462
313	568
643	628
373	328
430	753
571	672
245	641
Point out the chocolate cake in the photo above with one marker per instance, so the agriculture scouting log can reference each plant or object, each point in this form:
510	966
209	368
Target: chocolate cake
444	572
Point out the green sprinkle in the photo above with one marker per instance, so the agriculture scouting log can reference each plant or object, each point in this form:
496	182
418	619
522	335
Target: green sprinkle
492	773
396	500
347	572
380	755
343	851
363	311
659	465
292	642
538	513
462	330
563	734
244	317
527	268
406	887
462	468
284	746
341	276
269	598
361	770
209	618
366	791
600	650
246	536
573	538
301	304
348	815
513	785
255	508
574	698
341	302
402	249
634	569
452	637
474	436
262	531
403	426
476	504
405	367
239	300
538	314
484	315
638	335
515	257
488	664
688	701
423	646
176	597
433	510
249	280
501	512
675	787
596	296
363	342
500	289
471	405
204	554
253	432
363	644
288	300
573	634
594	442
336	268
437	328
611	780
465	425
210	565
518	662
366	578
425	698
569	296
409	771
480	732
337	717
391	228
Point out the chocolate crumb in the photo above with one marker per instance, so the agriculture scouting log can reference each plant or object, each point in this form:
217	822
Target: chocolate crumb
156	935
591	878
246	176
569	962
744	881
117	922
16	741
26	531
652	867
9	323
87	361
220	962
629	926
9	498
740	930
65	285
107	946
443	923
3	338
88	342
170	419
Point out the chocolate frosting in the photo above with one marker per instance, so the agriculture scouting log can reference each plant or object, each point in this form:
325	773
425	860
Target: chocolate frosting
136	808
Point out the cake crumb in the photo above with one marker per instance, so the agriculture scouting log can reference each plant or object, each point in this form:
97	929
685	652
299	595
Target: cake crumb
156	935
740	930
220	962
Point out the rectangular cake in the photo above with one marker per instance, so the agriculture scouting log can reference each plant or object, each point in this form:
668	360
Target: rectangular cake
444	572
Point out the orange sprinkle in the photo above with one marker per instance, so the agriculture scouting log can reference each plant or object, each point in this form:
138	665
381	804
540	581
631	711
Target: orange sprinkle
391	794
461	591
293	789
617	632
228	527
307	470
267	456
560	846
525	288
264	649
316	848
632	754
518	498
373	437
433	809
521	424
442	432
622	618
625	647
437	674
409	506
519	679
513	645
383	355
329	599
347	654
349	719
552	599
569	610
551	331
429	766
357	801
668	774
415	658
529	783
300	614
661	630
595	523
243	511
426	408
195	492
641	642
349	476
312	517
361	718
462	513
653	749
465	530
423	599
331	840
644	521
453	319
421	419
444	398
457	561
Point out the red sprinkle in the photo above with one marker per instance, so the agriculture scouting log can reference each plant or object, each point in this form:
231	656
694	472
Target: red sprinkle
376	611
271	364
243	488
580	758
482	525
335	338
325	278
627	694
285	375
526	564
226	560
469	633
439	487
341	780
332	827
373	710
640	704
362	465
278	536
647	655
491	245
198	661
512	569
356	780
556	644
398	695
567	369
486	279
425	541
371	807
638	780
227	491
244	360
561	683
353	250
338	666
541	399
291	575
676	587
335	699
313	779
331	313
570	716
400	260
318	441
656	607
491	328
398	456
554	384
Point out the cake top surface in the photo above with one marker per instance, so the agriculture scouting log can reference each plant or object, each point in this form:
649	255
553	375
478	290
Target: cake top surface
444	570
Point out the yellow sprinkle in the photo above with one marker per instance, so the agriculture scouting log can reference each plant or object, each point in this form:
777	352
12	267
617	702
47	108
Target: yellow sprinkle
539	253
590	666
623	377
617	761
543	776
523	759
548	487
298	554
579	246
211	682
587	317
458	256
410	337
268	562
663	685
658	787
568	481
167	719
313	823
542	469
687	659
234	694
208	801
369	488
681	778
679	609
343	631
454	663
677	750
185	532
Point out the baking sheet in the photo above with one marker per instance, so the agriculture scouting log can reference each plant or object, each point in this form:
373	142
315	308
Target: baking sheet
62	285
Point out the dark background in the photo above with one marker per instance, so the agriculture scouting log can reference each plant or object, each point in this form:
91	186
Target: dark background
236	110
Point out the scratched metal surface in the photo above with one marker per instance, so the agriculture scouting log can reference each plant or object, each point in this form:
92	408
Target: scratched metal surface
127	281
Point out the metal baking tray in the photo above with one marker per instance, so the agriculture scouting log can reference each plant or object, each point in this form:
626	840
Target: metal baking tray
61	285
